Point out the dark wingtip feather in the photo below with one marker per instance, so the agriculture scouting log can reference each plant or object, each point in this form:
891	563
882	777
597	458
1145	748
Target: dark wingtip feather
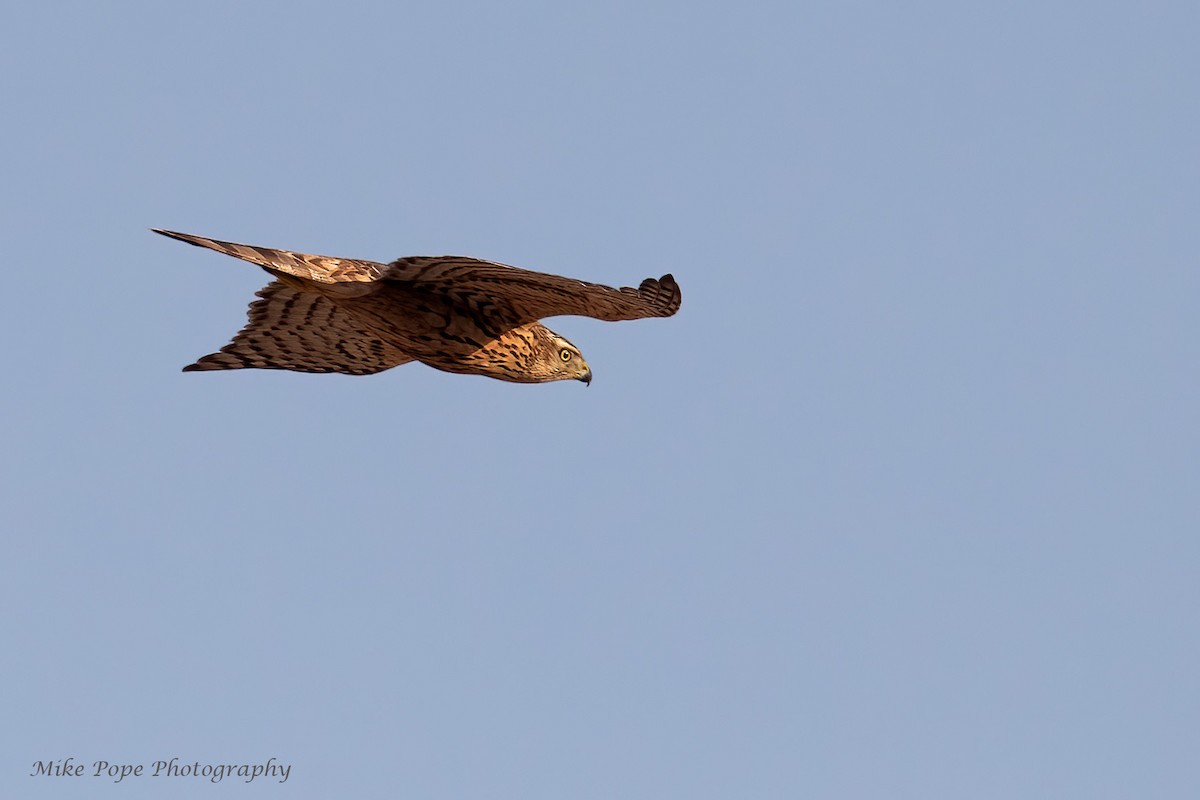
664	294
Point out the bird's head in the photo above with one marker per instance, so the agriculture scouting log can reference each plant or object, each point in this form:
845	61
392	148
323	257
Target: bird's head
530	353
567	362
553	358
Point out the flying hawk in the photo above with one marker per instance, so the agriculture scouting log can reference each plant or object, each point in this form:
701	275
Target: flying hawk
456	314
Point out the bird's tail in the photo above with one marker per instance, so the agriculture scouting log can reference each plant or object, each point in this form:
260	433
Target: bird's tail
303	331
322	269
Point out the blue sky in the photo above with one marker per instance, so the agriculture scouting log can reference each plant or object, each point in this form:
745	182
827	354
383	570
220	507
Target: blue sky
901	504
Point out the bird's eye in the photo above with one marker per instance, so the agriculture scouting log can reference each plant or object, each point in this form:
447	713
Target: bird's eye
564	354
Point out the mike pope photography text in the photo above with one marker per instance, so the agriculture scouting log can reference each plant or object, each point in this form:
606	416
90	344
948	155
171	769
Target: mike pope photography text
173	768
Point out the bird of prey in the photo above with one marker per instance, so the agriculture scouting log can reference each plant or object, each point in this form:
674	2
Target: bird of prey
457	314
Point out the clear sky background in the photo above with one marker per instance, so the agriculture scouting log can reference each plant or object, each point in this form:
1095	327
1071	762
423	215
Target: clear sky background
902	504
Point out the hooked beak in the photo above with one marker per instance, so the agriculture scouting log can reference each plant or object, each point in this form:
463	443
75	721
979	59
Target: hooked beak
586	377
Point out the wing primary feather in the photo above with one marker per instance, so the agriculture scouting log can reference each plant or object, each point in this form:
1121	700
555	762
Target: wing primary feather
322	269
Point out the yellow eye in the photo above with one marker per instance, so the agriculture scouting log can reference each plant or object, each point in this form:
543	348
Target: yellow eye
565	355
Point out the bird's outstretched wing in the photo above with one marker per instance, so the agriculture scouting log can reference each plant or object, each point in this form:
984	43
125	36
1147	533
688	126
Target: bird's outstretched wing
525	296
304	331
322	269
515	295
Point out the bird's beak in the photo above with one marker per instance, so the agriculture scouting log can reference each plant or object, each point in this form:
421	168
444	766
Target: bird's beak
586	377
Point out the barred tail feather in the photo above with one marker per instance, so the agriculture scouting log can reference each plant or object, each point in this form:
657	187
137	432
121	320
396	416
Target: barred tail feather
302	331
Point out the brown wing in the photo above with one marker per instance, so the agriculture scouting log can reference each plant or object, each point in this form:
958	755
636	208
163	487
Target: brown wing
323	269
524	296
302	331
515	295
